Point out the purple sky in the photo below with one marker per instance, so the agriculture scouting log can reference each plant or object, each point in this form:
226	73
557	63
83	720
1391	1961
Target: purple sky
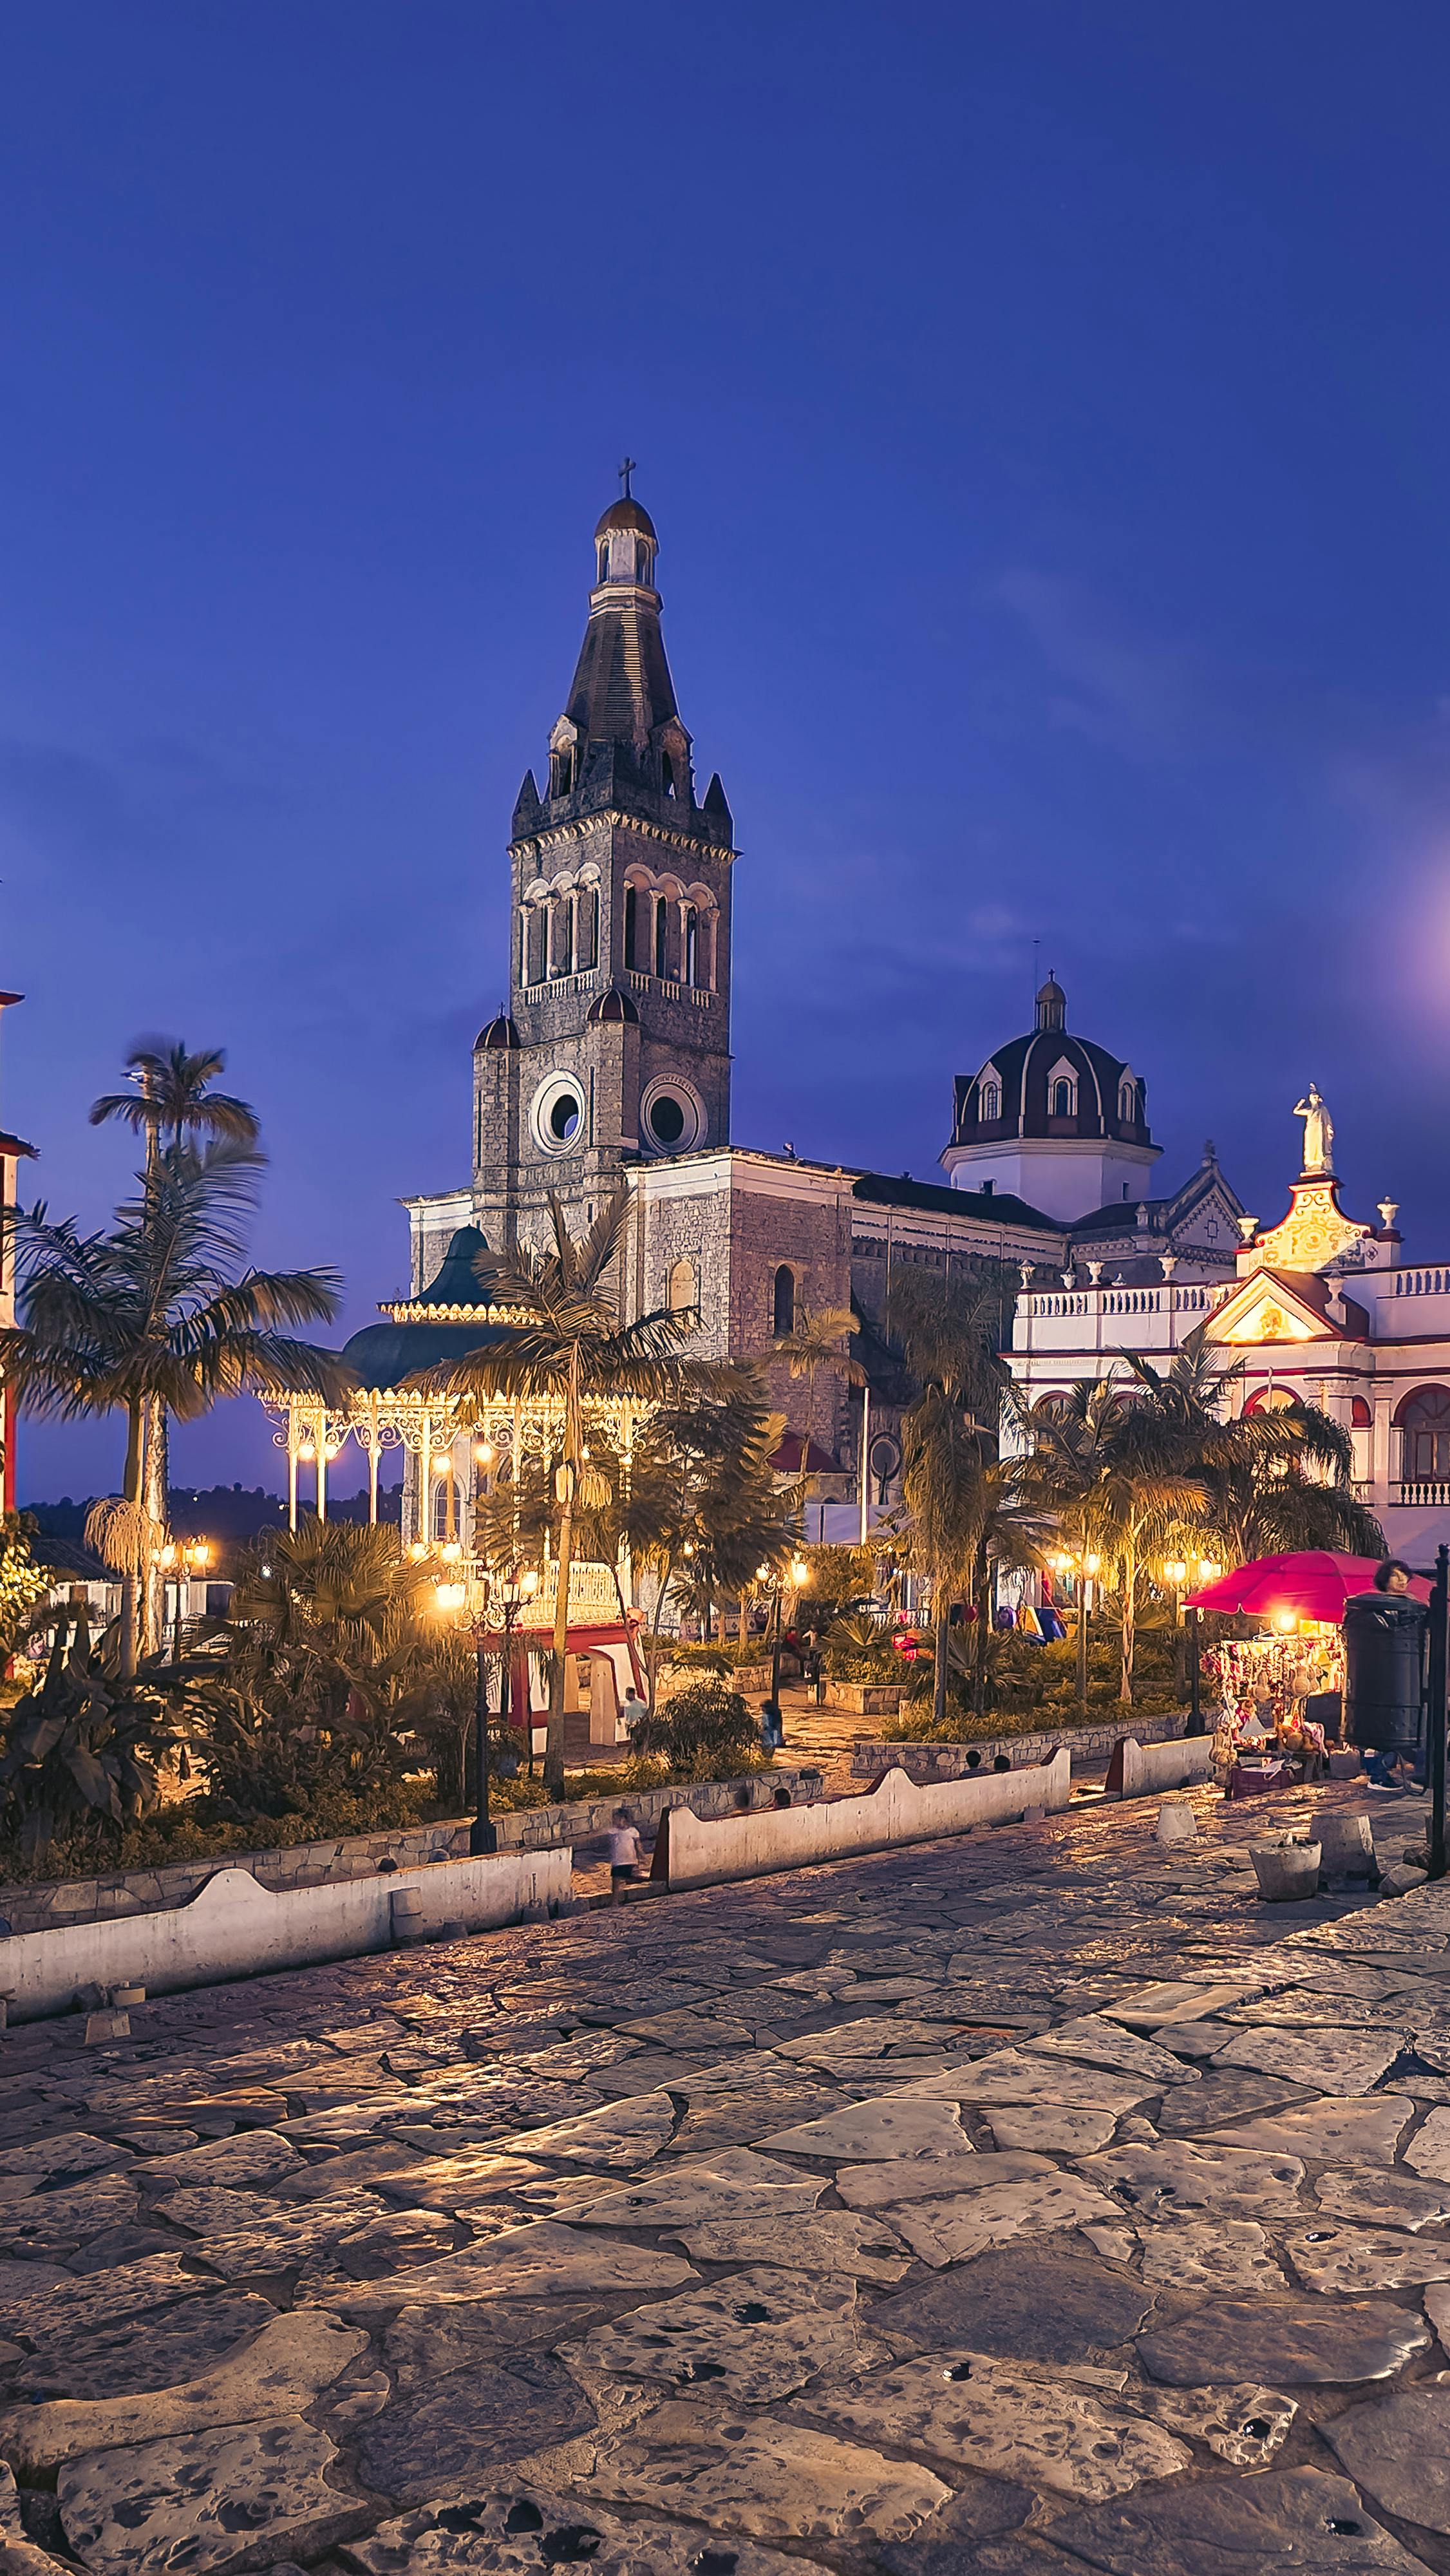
1042	406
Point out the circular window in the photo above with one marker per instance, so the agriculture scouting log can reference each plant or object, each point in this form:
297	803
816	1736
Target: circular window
667	1119
672	1116
558	1115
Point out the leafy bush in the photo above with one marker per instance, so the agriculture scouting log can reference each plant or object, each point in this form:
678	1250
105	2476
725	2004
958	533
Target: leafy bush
82	1750
859	1649
705	1732
1039	1682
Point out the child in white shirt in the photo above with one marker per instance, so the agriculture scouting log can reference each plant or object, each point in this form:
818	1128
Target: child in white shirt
624	1853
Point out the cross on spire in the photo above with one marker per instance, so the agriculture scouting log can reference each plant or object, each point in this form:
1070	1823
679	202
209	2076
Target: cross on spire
630	466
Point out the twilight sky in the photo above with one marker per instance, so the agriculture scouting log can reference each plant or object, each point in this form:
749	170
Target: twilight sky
1042	404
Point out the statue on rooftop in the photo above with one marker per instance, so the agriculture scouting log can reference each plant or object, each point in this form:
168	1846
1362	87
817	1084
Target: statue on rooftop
1318	1135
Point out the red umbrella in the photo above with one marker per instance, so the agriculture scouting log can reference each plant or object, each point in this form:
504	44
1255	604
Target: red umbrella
1314	1584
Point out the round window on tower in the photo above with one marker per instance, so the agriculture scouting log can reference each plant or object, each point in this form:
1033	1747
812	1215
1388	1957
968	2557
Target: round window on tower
667	1120
557	1117
672	1117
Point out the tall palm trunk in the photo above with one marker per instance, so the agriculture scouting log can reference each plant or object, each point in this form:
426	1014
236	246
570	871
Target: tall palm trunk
131	1581
1130	1608
982	1595
573	1443
939	1677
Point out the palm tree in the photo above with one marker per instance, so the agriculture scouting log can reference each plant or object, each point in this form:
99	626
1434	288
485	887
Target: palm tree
158	1316
1273	1480
960	1504
172	1099
574	1347
1119	1477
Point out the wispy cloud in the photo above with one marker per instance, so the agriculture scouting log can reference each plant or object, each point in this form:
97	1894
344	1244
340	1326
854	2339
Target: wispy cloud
1145	697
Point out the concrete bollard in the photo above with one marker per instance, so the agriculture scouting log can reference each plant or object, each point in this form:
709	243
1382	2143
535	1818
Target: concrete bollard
104	2026
1286	1871
405	1915
1348	1844
1177	1822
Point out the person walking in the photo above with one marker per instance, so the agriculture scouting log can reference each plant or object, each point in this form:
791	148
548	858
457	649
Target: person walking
623	1845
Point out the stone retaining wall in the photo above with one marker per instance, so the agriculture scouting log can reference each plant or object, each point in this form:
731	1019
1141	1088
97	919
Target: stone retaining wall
1086	1746
51	1904
232	1927
899	1810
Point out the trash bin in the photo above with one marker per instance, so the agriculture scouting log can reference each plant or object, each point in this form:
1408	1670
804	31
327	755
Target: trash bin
1384	1645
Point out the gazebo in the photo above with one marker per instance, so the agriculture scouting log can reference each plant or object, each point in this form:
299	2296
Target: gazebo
451	1451
454	1450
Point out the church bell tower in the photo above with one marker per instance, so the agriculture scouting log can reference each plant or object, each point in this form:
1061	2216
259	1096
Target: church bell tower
615	1047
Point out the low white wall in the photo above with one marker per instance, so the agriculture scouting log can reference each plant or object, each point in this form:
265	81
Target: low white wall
1149	1767
898	1811
234	1928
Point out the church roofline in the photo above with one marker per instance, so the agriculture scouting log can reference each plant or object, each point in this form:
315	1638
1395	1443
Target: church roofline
574	827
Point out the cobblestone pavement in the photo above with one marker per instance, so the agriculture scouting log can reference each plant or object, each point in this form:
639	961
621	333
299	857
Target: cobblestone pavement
1027	2203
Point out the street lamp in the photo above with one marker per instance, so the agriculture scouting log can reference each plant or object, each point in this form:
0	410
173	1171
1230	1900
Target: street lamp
1206	1570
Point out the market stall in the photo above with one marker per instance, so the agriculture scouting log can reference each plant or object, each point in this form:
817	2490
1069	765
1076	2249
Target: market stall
1280	1692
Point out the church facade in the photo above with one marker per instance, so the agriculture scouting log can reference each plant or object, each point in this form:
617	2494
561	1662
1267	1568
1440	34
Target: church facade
611	1061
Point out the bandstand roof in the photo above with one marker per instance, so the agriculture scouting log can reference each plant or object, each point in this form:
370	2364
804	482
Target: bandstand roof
450	1318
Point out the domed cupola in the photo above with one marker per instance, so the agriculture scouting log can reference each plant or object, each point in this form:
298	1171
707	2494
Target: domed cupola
499	1038
1053	1119
625	546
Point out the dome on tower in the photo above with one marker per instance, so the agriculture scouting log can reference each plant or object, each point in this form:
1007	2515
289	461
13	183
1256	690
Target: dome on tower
629	516
612	1005
500	1037
1056	1118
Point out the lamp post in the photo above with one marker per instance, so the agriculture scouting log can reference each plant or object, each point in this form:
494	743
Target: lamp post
182	1558
510	1590
1206	1570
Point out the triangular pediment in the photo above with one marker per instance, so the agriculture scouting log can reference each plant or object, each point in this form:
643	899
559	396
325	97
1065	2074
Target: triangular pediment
1268	1307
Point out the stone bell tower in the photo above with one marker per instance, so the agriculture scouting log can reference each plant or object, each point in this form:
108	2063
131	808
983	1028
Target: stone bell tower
615	1047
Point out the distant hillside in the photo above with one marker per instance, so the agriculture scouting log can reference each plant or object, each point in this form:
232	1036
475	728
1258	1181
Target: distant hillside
226	1514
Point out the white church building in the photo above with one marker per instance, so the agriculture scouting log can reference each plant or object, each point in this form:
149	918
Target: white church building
1324	1310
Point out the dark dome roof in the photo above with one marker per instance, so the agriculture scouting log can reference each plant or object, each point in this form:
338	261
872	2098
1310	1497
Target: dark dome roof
612	1005
1025	1073
500	1034
627	514
457	1282
385	1354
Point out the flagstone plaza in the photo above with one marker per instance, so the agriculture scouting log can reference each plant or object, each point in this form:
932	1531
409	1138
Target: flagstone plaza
1033	2202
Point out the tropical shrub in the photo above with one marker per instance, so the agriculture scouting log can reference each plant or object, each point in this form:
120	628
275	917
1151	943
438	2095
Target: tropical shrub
83	1748
705	1732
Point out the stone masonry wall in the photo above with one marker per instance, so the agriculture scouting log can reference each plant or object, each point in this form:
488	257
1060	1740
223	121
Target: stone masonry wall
44	1906
1087	1745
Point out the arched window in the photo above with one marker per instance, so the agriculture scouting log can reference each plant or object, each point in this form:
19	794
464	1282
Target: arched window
989	1104
662	917
1361	1413
631	927
1128	1104
561	936
690	973
667	773
1271	1399
538	934
783	1301
682	1293
604	561
1424	1419
586	930
1062	1100
641	559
